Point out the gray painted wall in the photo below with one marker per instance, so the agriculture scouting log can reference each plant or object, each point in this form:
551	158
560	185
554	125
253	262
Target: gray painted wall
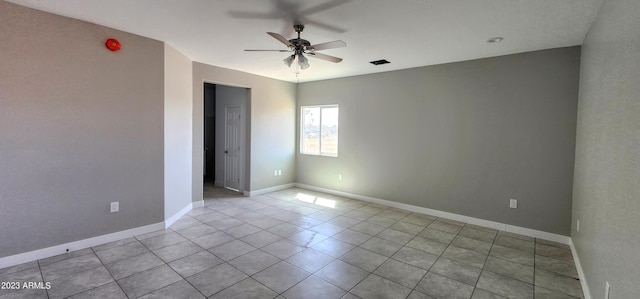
607	173
462	137
177	131
80	126
270	140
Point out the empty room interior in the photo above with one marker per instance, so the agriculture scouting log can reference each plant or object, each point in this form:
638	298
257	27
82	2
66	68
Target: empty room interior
320	149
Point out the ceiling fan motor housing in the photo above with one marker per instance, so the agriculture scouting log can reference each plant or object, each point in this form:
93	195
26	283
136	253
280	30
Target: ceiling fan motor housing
300	44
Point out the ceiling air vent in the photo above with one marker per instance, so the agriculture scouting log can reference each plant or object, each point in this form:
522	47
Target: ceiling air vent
379	62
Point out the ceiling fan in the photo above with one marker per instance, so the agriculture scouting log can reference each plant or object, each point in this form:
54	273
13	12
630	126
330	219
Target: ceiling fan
300	46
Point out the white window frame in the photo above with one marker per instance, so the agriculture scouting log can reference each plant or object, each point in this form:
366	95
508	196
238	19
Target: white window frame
320	153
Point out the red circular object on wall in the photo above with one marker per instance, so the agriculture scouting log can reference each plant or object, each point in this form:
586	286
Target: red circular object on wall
113	44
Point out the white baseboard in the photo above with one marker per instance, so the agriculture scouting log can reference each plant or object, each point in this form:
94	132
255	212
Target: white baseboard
537	234
176	216
268	190
583	279
477	221
77	245
197	204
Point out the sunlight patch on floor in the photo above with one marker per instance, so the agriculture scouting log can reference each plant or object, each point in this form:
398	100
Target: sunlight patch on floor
325	202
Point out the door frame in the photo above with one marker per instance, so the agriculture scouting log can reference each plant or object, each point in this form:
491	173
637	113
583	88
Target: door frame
246	130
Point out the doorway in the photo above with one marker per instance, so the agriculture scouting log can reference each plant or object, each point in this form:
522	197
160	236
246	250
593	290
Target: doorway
224	137
209	134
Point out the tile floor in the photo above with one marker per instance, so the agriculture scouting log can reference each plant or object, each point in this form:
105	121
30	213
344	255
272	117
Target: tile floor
297	243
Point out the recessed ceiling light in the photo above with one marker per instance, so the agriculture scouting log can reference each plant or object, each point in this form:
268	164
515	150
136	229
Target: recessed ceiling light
379	62
496	39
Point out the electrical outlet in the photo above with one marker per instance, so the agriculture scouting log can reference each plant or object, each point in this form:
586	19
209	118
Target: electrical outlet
607	289
513	203
578	226
115	206
340	177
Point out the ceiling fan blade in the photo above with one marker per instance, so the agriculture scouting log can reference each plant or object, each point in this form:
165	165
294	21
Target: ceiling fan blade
254	15
280	38
329	45
251	50
287	29
323	6
325	57
324	26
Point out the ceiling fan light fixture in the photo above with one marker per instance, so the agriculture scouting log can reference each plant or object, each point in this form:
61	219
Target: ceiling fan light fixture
289	60
303	61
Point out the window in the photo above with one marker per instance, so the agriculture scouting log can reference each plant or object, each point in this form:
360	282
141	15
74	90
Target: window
319	130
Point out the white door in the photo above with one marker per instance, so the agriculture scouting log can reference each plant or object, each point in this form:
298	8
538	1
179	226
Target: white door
233	147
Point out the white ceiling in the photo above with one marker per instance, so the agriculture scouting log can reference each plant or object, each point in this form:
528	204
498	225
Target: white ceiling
409	33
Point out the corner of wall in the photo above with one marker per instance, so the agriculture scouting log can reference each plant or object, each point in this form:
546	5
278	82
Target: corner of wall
581	275
178	107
